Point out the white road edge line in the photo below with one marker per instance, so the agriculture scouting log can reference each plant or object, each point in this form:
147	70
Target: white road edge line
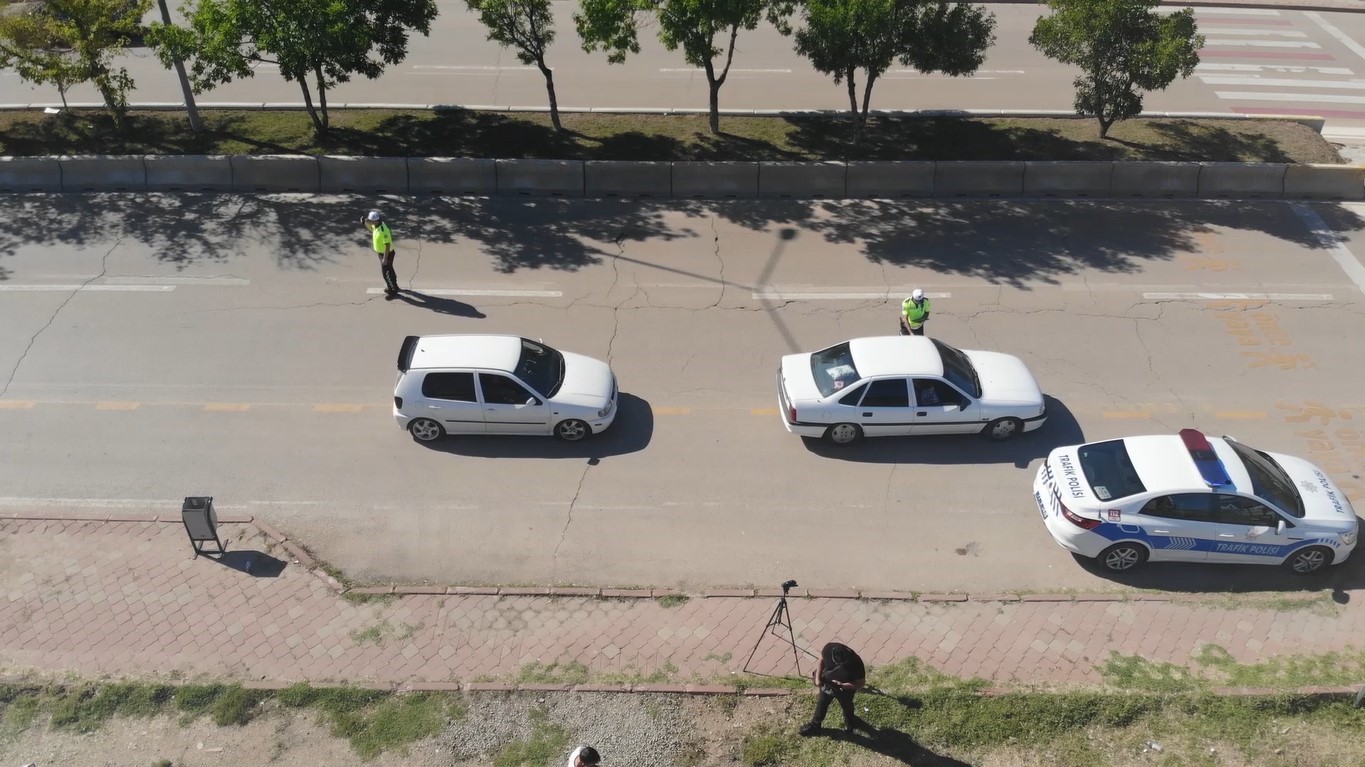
1237	296
789	295
87	288
454	292
1341	37
1332	243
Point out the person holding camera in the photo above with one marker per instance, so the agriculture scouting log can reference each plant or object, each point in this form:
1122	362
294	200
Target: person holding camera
838	676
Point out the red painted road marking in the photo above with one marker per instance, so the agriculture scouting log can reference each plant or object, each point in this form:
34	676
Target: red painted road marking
1239	53
1250	22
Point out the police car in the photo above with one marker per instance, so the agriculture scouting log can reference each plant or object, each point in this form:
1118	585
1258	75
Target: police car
1192	498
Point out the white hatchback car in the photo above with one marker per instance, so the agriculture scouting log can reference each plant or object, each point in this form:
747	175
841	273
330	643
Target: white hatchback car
476	384
897	385
1192	498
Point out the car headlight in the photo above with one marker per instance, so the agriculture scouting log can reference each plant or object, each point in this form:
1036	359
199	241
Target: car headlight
1042	409
606	411
1349	538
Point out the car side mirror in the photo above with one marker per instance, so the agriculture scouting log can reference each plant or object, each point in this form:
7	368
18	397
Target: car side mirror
533	401
1279	526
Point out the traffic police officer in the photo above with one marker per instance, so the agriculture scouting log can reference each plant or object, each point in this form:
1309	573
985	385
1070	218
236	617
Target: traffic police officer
915	312
382	239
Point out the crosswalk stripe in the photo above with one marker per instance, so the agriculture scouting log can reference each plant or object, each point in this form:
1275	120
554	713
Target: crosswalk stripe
1324	98
1254	32
1258	44
1281	68
1278	82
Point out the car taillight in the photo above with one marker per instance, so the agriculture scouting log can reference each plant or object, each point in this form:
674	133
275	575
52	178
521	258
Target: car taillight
791	413
398	402
1079	521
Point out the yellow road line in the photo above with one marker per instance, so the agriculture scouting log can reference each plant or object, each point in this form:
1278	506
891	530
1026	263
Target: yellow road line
1239	414
672	410
117	405
1136	414
226	407
16	404
338	408
764	411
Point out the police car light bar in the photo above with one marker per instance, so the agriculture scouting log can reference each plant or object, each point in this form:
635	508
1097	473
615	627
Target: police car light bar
1209	464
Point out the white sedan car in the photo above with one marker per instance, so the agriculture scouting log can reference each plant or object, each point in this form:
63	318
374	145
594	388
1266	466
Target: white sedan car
897	385
1192	498
477	384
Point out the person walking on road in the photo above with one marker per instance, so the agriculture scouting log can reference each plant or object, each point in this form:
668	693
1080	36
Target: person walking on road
839	676
382	239
914	313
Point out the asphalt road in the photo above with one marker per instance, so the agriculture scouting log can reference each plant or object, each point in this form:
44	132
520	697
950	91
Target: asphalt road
235	347
1256	60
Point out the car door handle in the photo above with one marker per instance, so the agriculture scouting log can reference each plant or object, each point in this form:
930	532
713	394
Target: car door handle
867	415
1162	532
1226	535
433	407
1292	538
921	412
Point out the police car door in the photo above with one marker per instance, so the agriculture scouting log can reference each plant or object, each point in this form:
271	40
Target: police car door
1248	532
885	408
1179	526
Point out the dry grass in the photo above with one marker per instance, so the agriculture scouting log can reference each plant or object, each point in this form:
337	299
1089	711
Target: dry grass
665	137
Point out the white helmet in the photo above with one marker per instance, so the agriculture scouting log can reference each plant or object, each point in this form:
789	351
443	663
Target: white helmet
915	295
374	216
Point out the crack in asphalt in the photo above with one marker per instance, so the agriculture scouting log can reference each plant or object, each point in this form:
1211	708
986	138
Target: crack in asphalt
715	239
568	520
104	269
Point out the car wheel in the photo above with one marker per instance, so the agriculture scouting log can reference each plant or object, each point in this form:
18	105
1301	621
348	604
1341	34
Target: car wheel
844	433
426	430
1002	429
572	430
1309	560
1122	557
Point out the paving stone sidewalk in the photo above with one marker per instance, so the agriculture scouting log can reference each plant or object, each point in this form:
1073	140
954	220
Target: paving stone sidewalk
122	599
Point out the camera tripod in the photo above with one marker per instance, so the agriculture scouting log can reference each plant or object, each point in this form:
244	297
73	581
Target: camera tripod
780	619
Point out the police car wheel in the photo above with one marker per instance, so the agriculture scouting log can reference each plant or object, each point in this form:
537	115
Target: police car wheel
844	433
1122	557
572	430
1309	560
426	430
1003	428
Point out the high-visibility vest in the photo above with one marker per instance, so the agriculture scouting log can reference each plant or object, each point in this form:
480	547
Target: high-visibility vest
383	238
915	313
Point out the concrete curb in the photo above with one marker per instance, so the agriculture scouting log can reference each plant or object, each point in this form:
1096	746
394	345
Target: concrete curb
303	558
309	174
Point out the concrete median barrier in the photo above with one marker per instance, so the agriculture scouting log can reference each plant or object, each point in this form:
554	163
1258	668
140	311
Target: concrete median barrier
275	173
30	174
1325	182
802	180
1068	179
385	175
103	173
555	178
978	179
188	173
715	179
452	176
610	178
1242	179
907	178
1155	179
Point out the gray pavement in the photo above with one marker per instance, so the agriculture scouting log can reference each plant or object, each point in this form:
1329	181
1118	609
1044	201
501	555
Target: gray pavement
234	346
1257	59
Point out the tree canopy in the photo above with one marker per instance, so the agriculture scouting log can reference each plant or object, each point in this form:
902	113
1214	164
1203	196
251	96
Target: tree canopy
528	27
1123	47
322	42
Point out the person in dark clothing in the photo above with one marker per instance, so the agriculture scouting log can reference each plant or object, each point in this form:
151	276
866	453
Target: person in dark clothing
839	676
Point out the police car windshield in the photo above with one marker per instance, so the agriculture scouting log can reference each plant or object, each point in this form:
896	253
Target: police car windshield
833	369
1109	470
958	369
541	367
1268	480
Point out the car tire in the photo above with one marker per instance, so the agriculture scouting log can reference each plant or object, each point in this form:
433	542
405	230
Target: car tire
426	430
1122	557
572	430
1002	429
1309	560
844	433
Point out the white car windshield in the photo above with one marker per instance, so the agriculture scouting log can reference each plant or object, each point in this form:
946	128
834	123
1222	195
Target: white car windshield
833	369
958	369
541	367
1268	480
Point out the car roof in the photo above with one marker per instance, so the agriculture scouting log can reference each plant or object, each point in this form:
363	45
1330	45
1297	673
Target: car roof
895	355
1164	464
467	351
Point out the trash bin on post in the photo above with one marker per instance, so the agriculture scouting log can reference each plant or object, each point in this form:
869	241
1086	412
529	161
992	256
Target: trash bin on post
201	524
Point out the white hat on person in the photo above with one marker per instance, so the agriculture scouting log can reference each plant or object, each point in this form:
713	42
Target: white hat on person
374	216
917	294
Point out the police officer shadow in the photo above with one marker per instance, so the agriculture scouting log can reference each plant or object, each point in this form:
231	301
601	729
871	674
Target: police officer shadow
439	304
894	743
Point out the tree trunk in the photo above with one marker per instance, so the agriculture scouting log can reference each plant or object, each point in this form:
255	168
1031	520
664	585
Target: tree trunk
852	92
61	91
867	99
192	109
318	127
1105	124
550	89
322	100
117	108
713	87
